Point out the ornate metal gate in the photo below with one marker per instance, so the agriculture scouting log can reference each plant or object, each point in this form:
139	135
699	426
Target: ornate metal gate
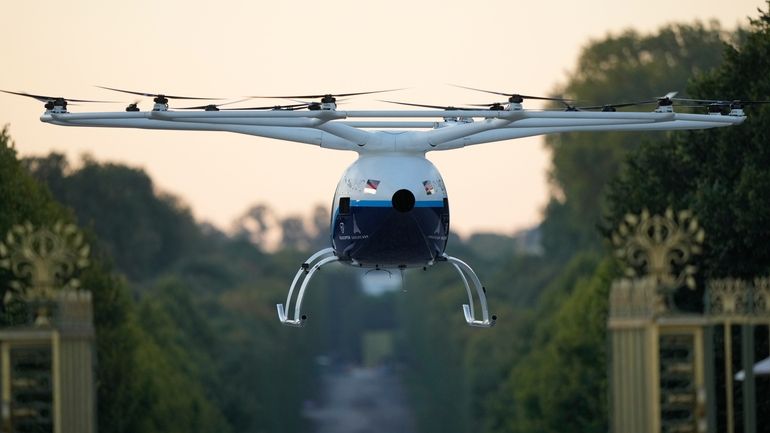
47	334
678	371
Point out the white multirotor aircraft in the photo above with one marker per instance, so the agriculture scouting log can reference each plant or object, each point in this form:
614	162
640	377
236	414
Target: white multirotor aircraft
390	209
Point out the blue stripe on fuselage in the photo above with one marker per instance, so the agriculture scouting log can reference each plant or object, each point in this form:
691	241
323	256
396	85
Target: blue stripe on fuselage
389	203
384	203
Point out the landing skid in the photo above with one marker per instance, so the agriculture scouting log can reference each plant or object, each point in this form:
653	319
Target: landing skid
307	270
326	256
468	309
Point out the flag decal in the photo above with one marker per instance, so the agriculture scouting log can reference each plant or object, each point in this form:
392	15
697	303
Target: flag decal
371	186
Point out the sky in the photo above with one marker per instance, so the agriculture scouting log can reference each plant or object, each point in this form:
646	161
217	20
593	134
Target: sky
234	48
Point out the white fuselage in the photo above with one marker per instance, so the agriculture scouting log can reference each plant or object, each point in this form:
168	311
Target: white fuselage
390	210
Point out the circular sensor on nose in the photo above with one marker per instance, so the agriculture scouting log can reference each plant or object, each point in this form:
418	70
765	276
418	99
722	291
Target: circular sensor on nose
403	200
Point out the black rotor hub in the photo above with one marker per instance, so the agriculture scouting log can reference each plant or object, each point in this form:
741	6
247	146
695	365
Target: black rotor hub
328	99
211	107
516	99
132	107
715	108
160	99
57	102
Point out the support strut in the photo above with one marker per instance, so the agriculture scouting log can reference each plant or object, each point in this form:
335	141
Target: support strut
307	270
469	310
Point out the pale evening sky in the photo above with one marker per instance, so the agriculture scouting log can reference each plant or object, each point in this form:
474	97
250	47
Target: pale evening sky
233	48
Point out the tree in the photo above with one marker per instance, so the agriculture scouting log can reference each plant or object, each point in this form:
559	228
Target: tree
622	68
142	230
722	175
562	380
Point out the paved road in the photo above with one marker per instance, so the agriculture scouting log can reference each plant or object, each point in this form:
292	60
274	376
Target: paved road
362	400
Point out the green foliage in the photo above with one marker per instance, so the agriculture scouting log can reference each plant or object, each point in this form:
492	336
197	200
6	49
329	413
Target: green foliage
622	68
722	174
183	348
142	230
562	380
22	198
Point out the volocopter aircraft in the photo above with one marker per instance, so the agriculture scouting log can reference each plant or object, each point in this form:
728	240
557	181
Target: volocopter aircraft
390	209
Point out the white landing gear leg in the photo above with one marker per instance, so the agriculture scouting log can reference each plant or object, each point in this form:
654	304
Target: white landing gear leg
468	309
307	269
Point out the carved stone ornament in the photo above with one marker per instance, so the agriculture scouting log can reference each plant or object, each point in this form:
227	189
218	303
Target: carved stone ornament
660	247
42	260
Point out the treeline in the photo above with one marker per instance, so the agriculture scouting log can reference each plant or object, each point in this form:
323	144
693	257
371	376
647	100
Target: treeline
187	334
543	368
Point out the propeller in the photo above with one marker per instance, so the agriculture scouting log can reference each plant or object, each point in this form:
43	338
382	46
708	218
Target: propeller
437	107
735	103
515	98
53	101
499	106
272	107
209	107
614	107
710	108
159	98
664	100
327	98
494	106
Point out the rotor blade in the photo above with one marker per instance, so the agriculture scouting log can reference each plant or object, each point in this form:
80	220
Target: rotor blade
43	98
437	107
543	98
203	107
271	107
495	106
669	95
299	101
693	106
703	101
720	101
481	90
487	105
622	104
156	94
326	94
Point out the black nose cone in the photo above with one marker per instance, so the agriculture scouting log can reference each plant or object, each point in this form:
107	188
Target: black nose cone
403	200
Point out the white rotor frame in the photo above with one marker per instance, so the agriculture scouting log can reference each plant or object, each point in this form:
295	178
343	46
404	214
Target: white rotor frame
386	131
